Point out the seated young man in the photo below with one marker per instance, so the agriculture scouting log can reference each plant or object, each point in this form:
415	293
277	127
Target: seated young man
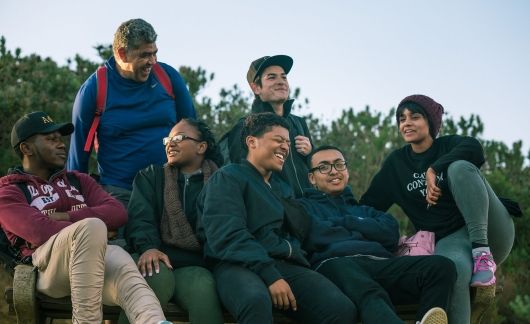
258	261
352	245
162	219
63	230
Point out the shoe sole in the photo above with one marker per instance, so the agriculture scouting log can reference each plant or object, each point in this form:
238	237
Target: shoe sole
438	316
484	284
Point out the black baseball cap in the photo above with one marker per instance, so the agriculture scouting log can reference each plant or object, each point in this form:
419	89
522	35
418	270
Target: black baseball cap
257	66
37	122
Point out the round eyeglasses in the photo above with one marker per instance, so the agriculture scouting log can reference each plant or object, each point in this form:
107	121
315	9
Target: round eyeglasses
326	167
178	138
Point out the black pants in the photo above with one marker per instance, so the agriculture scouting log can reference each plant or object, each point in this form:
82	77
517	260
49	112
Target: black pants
375	285
245	295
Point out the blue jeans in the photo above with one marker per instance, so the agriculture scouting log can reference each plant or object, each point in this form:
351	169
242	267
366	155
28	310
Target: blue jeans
245	295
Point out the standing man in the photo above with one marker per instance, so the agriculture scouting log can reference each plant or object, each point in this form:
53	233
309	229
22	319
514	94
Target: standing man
59	222
258	261
139	111
352	245
267	77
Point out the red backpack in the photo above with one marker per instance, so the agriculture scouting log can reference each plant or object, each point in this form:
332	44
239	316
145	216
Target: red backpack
101	99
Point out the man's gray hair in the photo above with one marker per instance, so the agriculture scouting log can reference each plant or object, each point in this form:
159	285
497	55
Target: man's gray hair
133	33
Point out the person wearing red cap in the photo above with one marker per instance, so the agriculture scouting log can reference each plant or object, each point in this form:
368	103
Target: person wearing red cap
438	184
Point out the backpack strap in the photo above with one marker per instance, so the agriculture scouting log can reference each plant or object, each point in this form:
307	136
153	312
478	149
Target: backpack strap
101	99
74	181
24	188
163	78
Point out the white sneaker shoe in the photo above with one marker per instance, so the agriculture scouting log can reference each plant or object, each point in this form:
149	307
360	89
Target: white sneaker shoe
435	315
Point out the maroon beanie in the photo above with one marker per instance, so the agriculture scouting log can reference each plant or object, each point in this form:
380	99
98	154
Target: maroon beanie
433	110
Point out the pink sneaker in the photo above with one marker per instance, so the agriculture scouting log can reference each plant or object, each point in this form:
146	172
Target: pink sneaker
483	270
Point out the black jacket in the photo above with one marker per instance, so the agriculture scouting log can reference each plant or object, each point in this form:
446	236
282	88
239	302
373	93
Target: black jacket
241	221
342	227
295	169
145	210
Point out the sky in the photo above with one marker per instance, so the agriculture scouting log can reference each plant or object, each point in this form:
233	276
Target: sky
471	56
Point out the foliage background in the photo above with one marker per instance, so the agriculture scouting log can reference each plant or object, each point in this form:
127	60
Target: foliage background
30	82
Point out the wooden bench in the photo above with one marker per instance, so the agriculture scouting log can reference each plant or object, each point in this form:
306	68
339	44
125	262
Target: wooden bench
33	307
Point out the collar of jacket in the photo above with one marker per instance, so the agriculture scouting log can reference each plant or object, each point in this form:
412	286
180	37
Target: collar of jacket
17	174
251	166
346	195
259	106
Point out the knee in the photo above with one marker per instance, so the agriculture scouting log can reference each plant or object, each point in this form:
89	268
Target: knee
94	229
444	268
461	170
200	282
162	284
256	301
342	309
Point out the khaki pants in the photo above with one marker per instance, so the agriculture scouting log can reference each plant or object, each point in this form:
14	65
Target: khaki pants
77	262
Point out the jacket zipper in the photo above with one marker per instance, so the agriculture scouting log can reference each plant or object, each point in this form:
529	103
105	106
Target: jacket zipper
296	174
186	183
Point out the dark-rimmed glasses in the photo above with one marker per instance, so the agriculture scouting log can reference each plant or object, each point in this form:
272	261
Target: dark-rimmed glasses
178	138
326	167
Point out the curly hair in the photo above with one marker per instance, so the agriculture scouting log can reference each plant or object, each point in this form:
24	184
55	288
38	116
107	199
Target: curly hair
258	124
133	33
206	134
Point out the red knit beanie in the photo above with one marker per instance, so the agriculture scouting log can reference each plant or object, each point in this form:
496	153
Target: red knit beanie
433	110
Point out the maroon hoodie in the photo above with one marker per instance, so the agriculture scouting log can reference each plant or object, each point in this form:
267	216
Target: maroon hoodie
30	221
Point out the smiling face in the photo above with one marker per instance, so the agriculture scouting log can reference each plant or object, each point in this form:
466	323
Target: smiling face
273	86
187	154
269	151
136	64
333	182
414	128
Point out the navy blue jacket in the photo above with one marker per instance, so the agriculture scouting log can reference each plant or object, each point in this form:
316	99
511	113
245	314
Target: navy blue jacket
342	227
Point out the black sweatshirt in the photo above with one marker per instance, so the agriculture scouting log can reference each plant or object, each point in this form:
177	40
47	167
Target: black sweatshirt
401	181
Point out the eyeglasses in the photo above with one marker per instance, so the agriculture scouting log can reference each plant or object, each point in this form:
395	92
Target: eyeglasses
326	168
178	138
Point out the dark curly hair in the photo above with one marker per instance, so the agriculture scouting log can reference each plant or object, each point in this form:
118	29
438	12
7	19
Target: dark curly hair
260	123
206	134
